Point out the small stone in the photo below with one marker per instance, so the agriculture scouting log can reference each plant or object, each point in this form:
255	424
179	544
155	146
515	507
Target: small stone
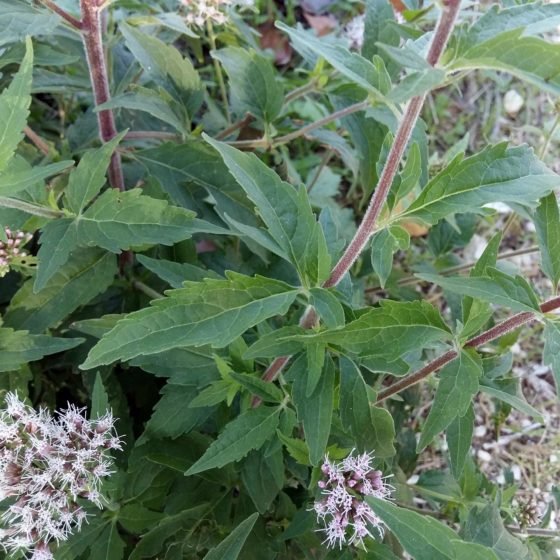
513	102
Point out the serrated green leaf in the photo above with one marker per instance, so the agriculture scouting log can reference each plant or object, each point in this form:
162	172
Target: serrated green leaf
372	428
286	211
89	273
19	347
14	180
352	65
14	107
212	395
276	343
136	518
263	477
383	246
108	545
254	84
119	220
515	54
116	221
177	166
387	332
378	28
497	174
165	65
486	527
532	18
457	386
172	415
496	287
231	546
212	312
248	431
99	398
328	307
153	542
517	401
547	223
472	551
297	448
551	355
315	353
315	411
20	19
58	240
423	537
175	273
159	104
417	83
265	390
459	437
476	313
86	180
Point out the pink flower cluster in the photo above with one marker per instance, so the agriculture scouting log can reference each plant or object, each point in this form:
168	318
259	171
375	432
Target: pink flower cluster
347	518
48	465
12	248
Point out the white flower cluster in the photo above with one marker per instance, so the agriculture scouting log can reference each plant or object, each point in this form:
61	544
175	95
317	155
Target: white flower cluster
347	518
47	465
354	32
12	248
200	11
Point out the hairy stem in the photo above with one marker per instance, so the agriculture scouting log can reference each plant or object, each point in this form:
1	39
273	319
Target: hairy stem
93	44
367	227
266	143
39	143
487	336
76	23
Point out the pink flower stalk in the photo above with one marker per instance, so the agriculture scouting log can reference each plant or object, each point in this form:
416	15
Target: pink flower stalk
12	248
48	466
347	518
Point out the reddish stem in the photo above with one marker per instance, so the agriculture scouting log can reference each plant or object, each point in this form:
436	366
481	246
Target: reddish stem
491	334
93	44
76	23
367	227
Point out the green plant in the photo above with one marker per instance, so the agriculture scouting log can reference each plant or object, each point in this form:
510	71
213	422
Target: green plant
272	217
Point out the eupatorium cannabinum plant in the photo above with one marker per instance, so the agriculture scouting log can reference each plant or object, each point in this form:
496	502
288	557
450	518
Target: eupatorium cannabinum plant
264	238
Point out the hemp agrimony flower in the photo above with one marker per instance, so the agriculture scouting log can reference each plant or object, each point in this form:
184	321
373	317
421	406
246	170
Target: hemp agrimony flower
347	518
11	248
48	465
200	11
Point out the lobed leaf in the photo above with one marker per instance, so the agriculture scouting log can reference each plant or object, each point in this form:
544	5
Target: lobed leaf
457	386
547	223
248	431
212	312
497	287
19	347
14	107
497	174
286	211
255	87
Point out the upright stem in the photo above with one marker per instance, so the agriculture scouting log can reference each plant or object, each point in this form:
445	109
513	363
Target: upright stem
491	334
367	227
93	44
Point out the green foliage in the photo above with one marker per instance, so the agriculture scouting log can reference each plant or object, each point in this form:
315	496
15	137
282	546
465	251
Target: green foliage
239	309
14	108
